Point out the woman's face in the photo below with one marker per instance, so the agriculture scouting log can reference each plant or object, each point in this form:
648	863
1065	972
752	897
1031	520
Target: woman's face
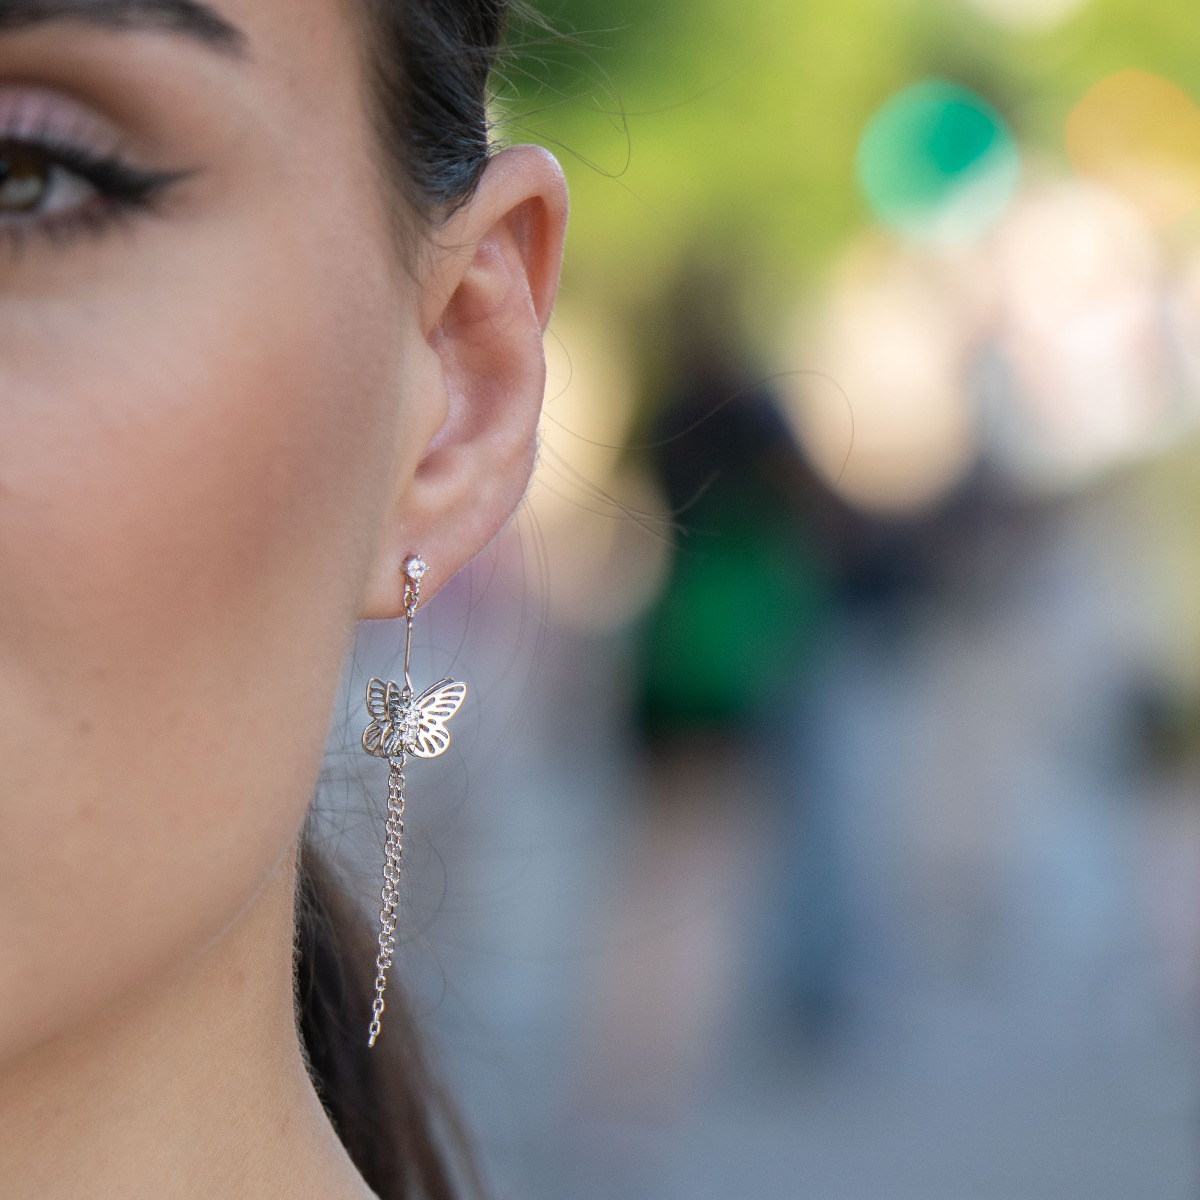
205	400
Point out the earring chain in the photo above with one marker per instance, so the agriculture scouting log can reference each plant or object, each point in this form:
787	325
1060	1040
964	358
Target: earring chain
393	847
393	851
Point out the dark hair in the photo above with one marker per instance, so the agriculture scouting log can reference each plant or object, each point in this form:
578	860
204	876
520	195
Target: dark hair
388	1108
428	65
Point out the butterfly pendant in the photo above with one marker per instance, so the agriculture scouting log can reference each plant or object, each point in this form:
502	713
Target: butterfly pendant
402	723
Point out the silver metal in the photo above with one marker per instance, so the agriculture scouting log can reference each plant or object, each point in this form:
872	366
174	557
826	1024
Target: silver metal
402	723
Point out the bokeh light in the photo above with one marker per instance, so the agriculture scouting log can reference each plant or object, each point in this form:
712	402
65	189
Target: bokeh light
1081	333
938	163
1140	135
880	407
1028	16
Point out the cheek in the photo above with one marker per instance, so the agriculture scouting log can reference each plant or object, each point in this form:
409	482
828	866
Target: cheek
187	477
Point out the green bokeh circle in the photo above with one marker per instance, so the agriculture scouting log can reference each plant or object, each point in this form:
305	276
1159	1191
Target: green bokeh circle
937	158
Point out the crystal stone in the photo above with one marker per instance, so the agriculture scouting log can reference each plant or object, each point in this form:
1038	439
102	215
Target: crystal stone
415	569
410	726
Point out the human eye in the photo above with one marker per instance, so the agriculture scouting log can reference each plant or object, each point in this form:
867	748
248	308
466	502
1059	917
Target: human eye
63	171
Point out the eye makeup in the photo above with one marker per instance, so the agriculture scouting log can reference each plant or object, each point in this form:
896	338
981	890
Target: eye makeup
63	170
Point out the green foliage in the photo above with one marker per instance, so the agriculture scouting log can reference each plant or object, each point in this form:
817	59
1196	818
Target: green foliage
694	123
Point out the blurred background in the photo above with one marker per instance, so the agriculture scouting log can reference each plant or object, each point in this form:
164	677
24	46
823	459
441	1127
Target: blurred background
824	820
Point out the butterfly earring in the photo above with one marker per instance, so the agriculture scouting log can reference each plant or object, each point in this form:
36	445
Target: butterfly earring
403	723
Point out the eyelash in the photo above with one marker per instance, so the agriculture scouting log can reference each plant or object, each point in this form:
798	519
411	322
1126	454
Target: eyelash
122	191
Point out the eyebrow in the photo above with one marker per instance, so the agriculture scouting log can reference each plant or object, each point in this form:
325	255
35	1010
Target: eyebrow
191	18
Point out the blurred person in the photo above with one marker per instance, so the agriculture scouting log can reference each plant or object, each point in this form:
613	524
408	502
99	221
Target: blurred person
719	665
271	317
747	583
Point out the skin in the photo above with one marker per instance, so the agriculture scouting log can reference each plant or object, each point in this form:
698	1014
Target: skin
224	425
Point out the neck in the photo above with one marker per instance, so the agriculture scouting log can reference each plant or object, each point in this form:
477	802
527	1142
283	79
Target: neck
194	1088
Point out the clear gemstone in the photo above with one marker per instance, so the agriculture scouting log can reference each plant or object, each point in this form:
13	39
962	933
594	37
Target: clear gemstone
409	728
415	568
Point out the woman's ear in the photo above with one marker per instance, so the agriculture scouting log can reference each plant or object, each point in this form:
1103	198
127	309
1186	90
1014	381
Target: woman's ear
487	290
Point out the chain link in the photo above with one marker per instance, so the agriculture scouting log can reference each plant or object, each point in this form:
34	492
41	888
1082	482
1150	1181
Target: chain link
393	849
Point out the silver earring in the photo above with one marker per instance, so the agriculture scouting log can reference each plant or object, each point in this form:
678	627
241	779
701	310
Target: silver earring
403	723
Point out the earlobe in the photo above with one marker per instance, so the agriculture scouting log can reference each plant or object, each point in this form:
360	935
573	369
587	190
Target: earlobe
484	307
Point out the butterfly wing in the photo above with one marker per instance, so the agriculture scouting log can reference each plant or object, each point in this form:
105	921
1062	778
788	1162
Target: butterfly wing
377	694
434	707
384	735
377	707
372	738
